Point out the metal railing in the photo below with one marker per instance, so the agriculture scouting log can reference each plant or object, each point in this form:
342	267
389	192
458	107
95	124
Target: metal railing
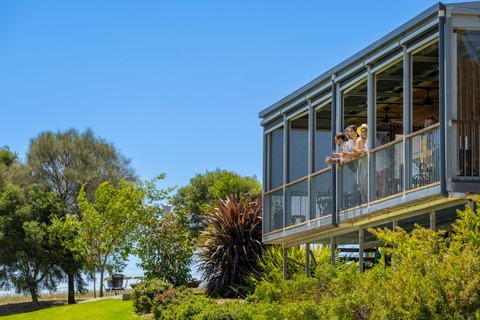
467	144
321	186
397	167
273	210
423	150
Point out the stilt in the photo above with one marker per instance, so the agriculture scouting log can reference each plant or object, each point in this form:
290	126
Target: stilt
285	273
433	220
333	247
360	250
307	259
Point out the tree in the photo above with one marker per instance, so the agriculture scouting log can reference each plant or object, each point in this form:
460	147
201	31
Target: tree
230	246
106	232
30	250
63	162
7	157
205	189
165	247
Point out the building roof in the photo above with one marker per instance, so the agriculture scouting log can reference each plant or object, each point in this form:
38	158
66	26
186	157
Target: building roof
366	52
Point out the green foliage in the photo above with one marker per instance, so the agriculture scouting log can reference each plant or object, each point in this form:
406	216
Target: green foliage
189	308
106	232
202	308
270	262
66	161
432	276
205	189
230	246
30	249
7	157
169	298
145	292
165	247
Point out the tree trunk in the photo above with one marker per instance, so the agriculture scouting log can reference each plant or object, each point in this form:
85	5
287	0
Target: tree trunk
34	295
94	283
101	282
71	289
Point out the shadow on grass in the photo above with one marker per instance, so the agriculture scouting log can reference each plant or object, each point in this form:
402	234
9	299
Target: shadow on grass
9	309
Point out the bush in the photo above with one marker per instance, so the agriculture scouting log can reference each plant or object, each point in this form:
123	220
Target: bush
230	246
169	298
188	308
145	292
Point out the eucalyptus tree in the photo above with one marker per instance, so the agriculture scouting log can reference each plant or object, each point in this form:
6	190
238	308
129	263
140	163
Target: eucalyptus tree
63	162
30	250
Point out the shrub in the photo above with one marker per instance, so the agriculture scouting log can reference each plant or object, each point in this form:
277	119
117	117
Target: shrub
188	309
230	246
145	292
169	298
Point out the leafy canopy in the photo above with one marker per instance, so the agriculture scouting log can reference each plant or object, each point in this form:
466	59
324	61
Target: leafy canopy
205	189
107	230
66	161
30	249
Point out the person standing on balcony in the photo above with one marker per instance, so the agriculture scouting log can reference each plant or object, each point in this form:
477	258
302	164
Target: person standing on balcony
341	141
362	172
352	135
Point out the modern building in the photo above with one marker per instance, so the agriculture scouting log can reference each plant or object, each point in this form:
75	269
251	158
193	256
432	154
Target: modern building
428	67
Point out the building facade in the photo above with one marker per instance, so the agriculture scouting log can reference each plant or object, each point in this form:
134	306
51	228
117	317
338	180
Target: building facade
418	91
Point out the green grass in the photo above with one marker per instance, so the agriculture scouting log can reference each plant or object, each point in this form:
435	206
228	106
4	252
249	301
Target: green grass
102	309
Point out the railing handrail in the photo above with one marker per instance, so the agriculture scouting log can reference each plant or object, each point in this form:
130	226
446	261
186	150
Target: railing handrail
434	126
273	190
389	144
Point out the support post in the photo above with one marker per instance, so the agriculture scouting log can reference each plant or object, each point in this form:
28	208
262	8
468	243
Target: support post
433	220
333	247
307	259
360	250
441	100
372	134
285	273
335	106
407	116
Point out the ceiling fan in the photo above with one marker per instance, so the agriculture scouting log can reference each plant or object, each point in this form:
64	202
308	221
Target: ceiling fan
387	119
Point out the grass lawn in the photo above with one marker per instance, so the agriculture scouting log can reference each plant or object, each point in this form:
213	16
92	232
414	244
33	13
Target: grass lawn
102	309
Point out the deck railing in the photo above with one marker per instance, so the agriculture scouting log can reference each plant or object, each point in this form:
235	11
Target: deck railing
467	143
392	169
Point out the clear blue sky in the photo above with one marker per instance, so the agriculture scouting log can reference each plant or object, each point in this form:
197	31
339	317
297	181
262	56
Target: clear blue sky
175	85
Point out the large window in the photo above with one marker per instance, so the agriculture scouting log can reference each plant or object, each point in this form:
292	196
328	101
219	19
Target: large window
276	158
425	95
323	136
468	102
298	148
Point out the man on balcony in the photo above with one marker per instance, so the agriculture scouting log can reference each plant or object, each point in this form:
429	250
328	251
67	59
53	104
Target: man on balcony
342	142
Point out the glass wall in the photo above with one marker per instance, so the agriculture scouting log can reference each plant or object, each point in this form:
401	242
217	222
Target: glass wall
468	103
323	136
388	162
425	72
276	158
298	154
273	211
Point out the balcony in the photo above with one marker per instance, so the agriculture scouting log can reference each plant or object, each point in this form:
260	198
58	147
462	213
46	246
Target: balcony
394	175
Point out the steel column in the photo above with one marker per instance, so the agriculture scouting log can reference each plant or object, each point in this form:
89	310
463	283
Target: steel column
333	248
307	259
433	220
360	250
